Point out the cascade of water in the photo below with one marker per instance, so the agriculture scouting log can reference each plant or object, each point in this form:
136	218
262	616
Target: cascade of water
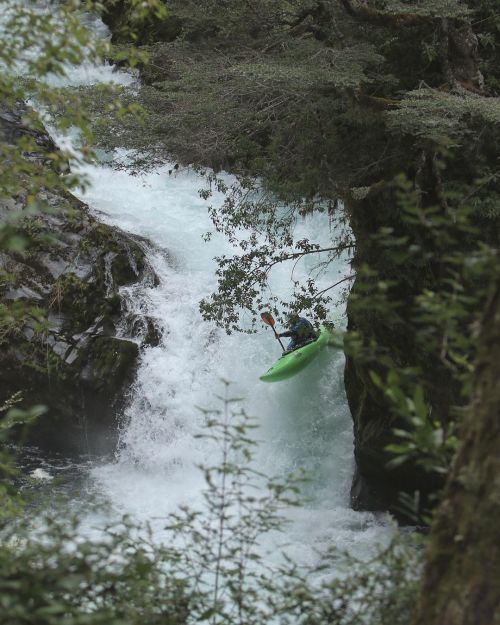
304	422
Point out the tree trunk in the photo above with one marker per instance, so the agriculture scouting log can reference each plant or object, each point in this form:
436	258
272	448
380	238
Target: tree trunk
461	582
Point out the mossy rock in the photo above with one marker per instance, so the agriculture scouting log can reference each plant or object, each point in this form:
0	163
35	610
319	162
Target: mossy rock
100	236
60	306
110	364
125	268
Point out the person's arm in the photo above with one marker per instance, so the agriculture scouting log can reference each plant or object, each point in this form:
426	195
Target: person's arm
285	335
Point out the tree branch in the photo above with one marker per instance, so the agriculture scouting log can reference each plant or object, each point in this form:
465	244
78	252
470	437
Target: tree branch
319	293
394	20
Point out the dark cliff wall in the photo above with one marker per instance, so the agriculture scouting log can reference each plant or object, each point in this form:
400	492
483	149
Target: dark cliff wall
382	311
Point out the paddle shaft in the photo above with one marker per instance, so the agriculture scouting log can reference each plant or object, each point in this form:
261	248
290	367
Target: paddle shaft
267	318
276	335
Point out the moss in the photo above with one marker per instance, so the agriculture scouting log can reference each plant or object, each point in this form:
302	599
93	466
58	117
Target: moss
7	281
38	358
111	305
75	218
83	301
100	236
110	363
75	297
122	269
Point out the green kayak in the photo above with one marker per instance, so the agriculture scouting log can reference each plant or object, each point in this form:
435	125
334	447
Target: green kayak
291	363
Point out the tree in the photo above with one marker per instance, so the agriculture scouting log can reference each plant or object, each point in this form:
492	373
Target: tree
460	582
335	109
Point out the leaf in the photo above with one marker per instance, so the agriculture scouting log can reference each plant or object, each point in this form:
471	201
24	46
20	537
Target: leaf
375	378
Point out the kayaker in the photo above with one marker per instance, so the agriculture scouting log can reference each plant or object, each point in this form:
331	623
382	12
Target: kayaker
301	331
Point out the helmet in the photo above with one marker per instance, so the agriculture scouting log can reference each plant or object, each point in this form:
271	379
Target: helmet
291	318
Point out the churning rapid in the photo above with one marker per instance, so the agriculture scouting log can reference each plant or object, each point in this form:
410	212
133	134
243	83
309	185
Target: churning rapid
304	422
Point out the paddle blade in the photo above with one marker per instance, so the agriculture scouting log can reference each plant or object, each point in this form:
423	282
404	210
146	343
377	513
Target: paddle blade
267	318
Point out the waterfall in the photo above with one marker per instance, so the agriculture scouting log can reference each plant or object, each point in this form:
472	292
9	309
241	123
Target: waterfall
303	422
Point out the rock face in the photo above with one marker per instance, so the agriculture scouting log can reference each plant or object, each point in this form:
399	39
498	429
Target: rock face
383	321
70	345
375	486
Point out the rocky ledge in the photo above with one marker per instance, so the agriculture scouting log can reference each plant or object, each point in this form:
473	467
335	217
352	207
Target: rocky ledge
66	340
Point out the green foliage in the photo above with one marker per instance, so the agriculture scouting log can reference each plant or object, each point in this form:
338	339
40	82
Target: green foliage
437	115
390	106
197	21
50	573
221	545
425	301
69	293
224	110
427	8
43	44
318	115
424	439
269	240
322	109
210	567
381	590
14	316
11	504
59	576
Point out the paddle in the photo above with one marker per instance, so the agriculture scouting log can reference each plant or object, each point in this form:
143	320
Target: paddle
269	320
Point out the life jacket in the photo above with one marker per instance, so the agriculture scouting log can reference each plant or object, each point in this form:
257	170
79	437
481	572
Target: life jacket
302	330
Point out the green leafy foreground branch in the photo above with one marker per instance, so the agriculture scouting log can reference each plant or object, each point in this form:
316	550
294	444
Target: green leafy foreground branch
210	567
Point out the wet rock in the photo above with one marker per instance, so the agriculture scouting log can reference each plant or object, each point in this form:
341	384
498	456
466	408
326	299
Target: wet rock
23	292
110	362
69	358
60	348
55	266
145	329
377	484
